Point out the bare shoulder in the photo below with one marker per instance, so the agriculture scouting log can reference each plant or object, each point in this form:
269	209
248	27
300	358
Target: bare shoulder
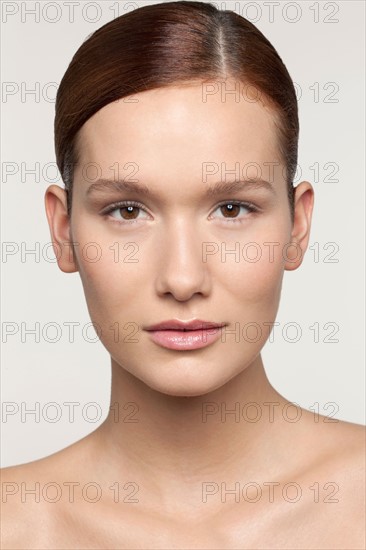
329	508
18	509
337	445
351	446
348	443
341	469
30	498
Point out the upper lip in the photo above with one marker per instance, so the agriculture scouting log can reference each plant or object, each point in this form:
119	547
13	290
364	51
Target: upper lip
177	324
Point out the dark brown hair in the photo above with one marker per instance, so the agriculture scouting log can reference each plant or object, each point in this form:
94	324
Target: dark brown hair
171	43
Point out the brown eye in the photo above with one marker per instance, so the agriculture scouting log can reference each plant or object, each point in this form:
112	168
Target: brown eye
235	211
126	212
131	212
232	209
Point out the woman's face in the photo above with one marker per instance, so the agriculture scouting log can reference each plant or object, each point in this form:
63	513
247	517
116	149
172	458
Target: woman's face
184	253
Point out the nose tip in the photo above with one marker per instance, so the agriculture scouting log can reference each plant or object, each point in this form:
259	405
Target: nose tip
181	288
181	271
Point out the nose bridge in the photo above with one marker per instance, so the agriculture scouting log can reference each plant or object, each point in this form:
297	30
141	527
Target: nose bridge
181	270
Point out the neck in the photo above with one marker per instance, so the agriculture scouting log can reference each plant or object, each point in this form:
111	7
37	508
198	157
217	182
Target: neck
165	441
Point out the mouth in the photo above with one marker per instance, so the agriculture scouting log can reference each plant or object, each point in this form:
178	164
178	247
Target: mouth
183	335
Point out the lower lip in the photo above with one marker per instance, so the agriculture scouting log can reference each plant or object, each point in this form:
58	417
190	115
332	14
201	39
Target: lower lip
185	340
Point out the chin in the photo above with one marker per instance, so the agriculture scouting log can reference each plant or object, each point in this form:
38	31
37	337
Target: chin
192	385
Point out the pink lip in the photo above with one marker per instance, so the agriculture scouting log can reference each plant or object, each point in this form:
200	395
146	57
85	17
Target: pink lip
183	335
177	324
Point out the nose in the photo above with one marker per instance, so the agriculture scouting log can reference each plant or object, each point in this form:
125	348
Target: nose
180	270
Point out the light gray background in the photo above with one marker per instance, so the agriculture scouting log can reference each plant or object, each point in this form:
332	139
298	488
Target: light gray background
36	52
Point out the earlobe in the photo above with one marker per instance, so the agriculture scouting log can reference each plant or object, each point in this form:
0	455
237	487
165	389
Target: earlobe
300	234
59	224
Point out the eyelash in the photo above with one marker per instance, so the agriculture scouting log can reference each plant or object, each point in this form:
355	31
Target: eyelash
118	205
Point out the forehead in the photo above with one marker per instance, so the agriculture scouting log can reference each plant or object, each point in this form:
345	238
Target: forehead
181	128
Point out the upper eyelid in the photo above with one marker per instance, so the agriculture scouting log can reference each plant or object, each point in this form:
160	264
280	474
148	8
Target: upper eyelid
121	204
238	202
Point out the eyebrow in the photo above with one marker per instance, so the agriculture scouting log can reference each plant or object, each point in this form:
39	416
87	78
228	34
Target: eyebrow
217	188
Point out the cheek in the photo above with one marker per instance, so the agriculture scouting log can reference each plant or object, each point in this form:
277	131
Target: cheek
109	273
256	289
253	291
109	285
255	270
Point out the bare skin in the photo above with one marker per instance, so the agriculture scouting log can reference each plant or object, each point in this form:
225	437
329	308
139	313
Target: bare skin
175	455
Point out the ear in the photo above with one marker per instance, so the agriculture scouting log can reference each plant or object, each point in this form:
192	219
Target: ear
303	209
59	224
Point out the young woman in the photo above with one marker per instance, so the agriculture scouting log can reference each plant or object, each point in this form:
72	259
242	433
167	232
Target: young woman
176	135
